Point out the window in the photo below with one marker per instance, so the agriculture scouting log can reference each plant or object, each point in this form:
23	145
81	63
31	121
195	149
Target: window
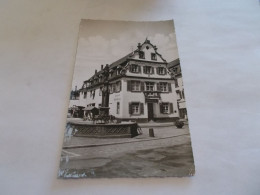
135	68
161	71
118	86
118	71
141	55
135	108
148	70
165	108
100	91
153	56
114	87
118	107
162	87
136	85
85	95
179	95
149	86
92	94
100	79
176	83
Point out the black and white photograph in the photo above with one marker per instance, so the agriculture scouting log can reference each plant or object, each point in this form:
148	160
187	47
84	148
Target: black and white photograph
127	114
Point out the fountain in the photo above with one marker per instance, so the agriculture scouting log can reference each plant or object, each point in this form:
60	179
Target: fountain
106	126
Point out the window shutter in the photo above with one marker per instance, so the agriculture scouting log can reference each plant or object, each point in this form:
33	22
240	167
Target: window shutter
183	94
169	87
119	86
129	86
130	108
130	68
152	70
142	86
141	108
161	108
139	69
159	87
157	70
171	108
145	70
176	83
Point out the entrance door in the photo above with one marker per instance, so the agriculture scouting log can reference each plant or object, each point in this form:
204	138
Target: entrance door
150	111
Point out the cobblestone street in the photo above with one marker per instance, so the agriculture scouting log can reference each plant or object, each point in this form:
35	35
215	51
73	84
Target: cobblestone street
168	153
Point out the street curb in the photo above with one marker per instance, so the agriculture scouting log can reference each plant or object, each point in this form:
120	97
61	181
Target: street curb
115	143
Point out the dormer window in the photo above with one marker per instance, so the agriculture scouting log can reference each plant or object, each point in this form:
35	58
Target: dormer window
153	56
141	55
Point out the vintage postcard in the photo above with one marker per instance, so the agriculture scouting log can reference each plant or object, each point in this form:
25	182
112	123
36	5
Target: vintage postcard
127	115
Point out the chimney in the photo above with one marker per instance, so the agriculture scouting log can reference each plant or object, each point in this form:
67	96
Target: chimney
102	67
139	46
96	71
76	88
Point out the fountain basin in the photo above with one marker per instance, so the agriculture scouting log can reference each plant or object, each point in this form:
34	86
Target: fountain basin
114	130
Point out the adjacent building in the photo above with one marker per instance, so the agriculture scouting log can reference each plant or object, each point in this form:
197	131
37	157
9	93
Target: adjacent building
141	86
175	68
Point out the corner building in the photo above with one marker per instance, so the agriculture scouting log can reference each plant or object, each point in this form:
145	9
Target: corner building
140	85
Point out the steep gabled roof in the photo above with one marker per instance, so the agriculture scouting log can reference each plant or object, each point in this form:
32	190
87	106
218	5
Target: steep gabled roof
173	63
121	60
125	58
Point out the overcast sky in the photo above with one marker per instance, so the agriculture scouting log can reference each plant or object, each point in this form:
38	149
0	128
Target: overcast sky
103	42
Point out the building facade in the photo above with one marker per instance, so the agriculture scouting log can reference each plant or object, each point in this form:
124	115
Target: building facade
175	68
141	87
